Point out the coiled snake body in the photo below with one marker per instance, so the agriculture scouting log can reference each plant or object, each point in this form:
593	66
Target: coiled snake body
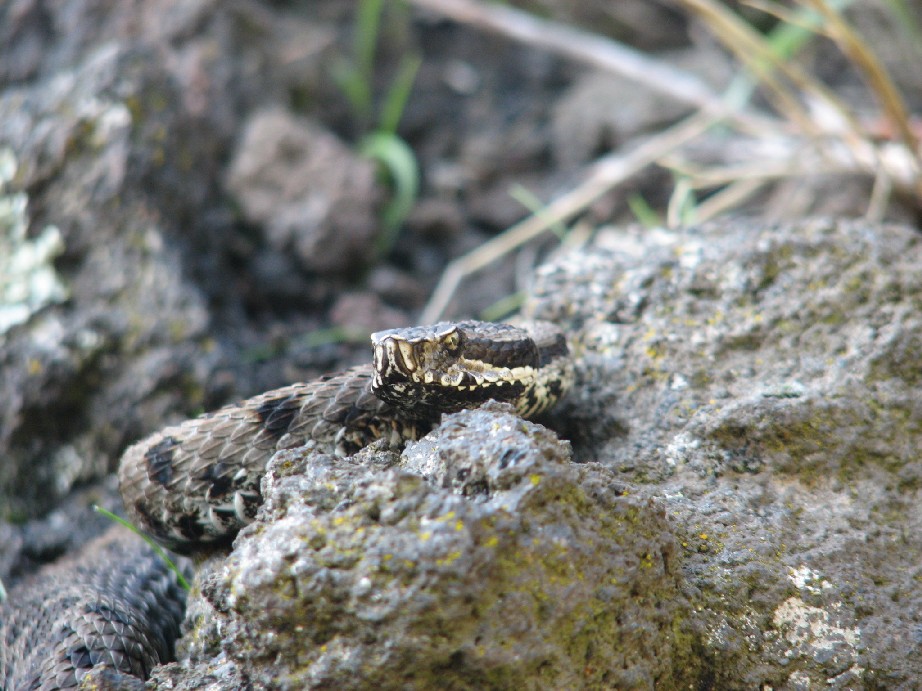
193	485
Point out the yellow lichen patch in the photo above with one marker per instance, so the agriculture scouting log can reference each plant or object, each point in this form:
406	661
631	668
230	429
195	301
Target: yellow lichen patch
448	558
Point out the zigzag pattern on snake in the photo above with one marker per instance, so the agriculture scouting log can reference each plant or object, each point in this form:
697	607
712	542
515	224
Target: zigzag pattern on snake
193	485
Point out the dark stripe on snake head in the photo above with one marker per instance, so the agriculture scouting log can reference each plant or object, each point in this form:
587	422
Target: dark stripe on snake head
159	460
276	414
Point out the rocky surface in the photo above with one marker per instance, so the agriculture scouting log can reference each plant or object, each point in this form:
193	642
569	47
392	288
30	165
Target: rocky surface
480	558
763	379
754	382
114	132
188	220
289	178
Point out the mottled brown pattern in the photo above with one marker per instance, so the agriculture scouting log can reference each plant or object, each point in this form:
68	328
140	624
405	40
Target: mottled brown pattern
220	457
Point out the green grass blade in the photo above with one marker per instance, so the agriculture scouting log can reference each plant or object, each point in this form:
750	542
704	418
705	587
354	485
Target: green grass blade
366	37
785	40
356	89
643	212
504	307
157	548
399	162
398	95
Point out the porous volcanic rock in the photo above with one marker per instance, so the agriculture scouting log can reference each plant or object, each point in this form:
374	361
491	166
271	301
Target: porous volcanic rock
481	558
762	380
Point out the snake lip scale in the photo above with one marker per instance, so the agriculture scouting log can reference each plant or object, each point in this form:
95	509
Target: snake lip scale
192	486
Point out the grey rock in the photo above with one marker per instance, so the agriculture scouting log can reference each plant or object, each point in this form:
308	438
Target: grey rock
79	377
481	557
120	116
601	110
762	380
313	196
756	383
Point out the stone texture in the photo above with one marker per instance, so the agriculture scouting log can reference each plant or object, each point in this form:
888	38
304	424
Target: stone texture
314	197
120	117
481	558
68	403
762	381
757	382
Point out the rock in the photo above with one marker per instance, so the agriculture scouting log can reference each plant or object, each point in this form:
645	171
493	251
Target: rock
82	377
131	285
746	422
762	380
602	110
482	557
313	197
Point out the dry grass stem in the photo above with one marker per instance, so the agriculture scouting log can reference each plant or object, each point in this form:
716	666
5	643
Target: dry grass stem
856	49
752	50
880	197
680	201
840	128
588	48
785	14
819	134
702	177
728	198
838	30
603	175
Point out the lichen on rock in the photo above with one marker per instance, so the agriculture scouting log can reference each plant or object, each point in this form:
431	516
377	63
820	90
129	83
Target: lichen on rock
482	558
28	281
762	380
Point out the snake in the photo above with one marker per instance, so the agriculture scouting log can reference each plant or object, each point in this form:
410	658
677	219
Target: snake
194	485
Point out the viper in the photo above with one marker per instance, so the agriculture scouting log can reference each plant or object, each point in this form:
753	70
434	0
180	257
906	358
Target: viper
192	486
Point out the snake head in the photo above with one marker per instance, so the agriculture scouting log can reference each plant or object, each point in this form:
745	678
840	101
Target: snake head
427	370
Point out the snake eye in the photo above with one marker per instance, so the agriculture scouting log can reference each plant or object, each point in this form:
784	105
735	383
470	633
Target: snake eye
452	340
